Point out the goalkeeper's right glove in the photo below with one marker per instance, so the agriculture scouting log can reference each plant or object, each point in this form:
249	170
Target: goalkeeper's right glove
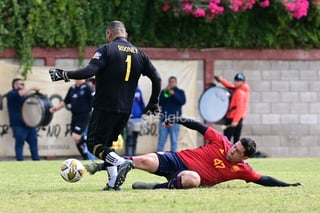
151	109
58	74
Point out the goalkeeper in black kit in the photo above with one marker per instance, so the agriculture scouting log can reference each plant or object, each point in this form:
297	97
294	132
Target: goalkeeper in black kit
117	67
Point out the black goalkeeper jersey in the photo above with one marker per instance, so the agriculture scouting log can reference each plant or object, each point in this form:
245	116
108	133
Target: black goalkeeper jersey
120	66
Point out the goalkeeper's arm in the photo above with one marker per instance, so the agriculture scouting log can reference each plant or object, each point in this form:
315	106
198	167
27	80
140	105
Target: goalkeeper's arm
83	73
270	181
189	123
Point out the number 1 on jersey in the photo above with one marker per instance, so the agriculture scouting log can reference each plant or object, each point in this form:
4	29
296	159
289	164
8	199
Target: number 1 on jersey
128	61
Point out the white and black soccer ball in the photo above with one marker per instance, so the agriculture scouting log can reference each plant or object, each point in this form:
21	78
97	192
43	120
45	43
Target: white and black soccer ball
72	170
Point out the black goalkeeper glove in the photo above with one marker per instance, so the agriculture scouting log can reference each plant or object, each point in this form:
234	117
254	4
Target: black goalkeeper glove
58	74
151	109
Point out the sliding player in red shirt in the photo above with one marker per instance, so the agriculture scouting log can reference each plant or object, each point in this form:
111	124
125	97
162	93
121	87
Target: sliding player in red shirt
217	161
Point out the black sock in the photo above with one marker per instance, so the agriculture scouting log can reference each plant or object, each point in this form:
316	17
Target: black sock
101	152
174	183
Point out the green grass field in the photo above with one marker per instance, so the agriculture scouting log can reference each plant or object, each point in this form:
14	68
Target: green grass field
37	187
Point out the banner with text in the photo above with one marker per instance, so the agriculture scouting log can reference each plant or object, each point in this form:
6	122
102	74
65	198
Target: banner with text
55	138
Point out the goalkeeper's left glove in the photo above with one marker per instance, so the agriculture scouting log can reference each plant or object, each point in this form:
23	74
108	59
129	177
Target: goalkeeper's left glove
58	74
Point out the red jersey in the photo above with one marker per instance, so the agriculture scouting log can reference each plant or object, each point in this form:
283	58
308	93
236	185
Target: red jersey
210	162
239	101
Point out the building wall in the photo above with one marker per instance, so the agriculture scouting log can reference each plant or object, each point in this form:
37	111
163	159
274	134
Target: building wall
284	109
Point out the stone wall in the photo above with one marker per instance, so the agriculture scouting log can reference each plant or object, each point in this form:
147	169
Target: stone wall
284	106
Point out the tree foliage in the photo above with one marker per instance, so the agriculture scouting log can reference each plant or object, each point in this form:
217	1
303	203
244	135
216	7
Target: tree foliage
81	23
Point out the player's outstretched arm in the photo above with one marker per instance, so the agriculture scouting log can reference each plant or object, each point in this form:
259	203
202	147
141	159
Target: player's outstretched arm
270	181
187	122
83	73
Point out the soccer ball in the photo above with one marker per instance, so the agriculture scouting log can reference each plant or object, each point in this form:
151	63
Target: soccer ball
72	170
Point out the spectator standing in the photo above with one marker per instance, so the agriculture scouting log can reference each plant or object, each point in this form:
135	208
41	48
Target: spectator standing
238	106
171	101
80	97
21	132
134	123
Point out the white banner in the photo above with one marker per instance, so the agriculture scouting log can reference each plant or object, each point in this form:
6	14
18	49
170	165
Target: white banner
55	139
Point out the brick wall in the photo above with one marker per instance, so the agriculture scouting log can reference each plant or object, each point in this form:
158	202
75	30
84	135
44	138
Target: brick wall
284	107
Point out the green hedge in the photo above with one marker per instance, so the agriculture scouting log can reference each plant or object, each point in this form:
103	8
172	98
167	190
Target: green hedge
65	23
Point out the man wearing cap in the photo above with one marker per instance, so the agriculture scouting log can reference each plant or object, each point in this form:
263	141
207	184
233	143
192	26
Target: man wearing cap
237	110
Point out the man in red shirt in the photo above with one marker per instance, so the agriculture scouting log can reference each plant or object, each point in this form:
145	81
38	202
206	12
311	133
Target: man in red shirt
217	161
238	106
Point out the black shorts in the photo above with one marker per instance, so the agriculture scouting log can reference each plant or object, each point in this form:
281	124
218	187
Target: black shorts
79	122
170	165
105	127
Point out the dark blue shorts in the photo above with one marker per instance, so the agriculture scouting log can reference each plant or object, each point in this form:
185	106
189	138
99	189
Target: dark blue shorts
80	122
170	165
